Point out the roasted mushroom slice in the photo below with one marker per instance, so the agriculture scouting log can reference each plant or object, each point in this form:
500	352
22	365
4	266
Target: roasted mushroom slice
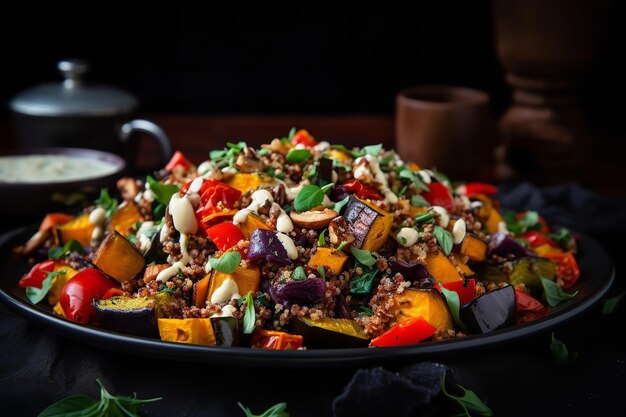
313	219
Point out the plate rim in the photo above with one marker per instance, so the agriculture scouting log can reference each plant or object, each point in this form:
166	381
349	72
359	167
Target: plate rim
244	356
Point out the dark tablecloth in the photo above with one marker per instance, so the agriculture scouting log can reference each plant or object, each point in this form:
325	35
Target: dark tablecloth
38	367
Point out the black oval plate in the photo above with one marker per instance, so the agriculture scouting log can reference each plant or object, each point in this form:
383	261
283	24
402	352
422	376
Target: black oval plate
597	274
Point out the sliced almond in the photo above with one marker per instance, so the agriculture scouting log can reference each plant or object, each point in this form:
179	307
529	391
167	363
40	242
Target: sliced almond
313	219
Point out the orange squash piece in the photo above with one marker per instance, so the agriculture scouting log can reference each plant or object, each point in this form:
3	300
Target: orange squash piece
252	223
474	248
118	258
247	279
428	304
441	268
332	258
199	291
79	228
493	221
245	182
124	218
195	331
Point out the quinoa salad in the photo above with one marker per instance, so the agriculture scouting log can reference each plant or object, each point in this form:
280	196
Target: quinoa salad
299	244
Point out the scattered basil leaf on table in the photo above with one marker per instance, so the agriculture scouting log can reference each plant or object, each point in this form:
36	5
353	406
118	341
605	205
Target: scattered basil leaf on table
249	318
610	304
469	401
363	256
277	410
56	252
554	294
445	239
162	192
560	352
227	263
35	295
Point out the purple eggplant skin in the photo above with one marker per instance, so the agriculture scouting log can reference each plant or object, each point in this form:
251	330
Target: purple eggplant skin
491	311
338	193
226	329
264	244
135	321
502	245
411	270
342	309
304	293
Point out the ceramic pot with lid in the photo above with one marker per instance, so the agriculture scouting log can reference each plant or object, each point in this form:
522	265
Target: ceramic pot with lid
81	115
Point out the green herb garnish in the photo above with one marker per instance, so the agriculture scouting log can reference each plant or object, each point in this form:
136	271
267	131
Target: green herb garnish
342	245
362	284
227	263
354	153
415	179
249	318
363	256
298	274
469	401
554	294
419	201
339	205
373	150
322	271
35	295
445	239
277	410
454	304
105	201
321	240
295	156
610	304
309	196
162	192
56	252
424	218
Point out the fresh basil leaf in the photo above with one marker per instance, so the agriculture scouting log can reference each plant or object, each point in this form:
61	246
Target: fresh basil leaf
308	197
162	192
56	252
419	201
365	311
295	156
217	154
249	317
35	295
403	190
298	274
339	205
440	177
322	271
362	284
355	153
454	304
292	132
560	352
159	210
415	179
321	240
105	201
227	263
554	295
312	173
530	220
342	245
468	401
263	152
277	410
610	304
74	405
363	256
165	289
424	218
326	188
114	405
564	238
445	239
373	150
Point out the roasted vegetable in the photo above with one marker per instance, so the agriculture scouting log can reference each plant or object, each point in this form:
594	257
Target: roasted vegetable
265	244
465	289
503	246
304	293
428	304
406	332
245	182
194	331
491	311
58	282
492	224
78	293
200	289
247	279
441	268
329	333
474	248
328	257
79	228
273	340
252	223
118	258
369	224
413	271
154	251
313	219
527	271
457	261
129	315
124	219
226	330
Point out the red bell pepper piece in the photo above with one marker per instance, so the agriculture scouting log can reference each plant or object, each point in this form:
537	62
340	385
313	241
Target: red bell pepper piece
112	292
528	308
178	159
273	340
474	188
465	289
567	269
79	292
36	275
407	332
536	238
54	219
439	195
224	235
362	190
302	137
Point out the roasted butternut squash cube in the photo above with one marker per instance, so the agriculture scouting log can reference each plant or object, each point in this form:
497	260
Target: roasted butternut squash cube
118	258
369	224
458	262
493	221
332	258
252	223
200	289
245	182
79	228
195	331
441	268
124	218
247	279
474	248
428	304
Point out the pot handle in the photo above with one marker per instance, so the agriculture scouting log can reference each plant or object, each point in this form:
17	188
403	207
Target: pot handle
145	126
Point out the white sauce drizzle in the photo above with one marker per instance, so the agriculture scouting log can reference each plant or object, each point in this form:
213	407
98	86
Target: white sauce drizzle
183	215
289	245
379	177
225	292
184	260
259	197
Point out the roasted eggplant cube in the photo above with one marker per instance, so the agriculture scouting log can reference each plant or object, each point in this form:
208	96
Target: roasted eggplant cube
329	333
135	316
369	225
154	251
491	311
226	329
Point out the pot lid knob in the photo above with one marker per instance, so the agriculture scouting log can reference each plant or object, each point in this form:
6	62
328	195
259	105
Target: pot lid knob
72	71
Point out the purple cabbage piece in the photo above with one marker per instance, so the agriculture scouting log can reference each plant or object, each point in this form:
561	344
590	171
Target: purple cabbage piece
411	270
502	245
304	293
264	244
